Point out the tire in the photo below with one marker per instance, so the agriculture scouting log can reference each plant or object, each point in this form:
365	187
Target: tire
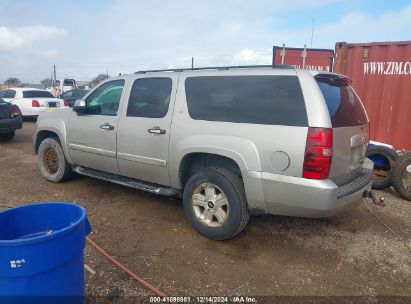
397	177
8	135
382	174
52	162
228	184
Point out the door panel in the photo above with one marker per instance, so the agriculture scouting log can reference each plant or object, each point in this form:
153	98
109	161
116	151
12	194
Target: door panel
144	129
92	137
91	146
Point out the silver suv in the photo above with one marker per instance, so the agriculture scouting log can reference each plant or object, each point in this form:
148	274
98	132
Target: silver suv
229	141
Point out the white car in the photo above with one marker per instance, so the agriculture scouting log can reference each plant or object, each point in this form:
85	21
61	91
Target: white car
32	101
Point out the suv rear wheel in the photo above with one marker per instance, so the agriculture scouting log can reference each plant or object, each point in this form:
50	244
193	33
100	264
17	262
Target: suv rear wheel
52	162
215	203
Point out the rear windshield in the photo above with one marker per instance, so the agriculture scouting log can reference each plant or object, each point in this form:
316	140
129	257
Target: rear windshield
270	100
80	93
343	104
37	94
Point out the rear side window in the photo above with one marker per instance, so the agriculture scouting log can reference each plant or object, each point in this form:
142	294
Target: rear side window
343	104
271	100
37	94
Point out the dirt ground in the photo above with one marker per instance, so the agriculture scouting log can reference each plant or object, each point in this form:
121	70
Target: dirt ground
351	254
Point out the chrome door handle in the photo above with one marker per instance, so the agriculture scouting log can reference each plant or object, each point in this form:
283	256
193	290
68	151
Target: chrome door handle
107	126
156	130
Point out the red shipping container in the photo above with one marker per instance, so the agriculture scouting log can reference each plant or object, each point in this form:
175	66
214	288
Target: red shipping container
316	59
381	74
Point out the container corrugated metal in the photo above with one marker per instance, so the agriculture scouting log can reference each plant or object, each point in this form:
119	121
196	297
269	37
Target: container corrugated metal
316	59
381	74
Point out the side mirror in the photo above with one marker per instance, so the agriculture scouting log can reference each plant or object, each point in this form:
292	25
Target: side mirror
80	107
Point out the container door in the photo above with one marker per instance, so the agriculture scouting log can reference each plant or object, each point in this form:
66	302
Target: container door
144	129
350	127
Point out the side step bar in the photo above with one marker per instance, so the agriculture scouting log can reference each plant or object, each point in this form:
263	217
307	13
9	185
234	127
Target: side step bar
127	181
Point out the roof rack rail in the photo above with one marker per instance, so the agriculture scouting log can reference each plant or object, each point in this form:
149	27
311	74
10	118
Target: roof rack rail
276	66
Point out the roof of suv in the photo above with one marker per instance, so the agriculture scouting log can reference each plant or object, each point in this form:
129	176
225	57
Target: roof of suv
248	68
222	68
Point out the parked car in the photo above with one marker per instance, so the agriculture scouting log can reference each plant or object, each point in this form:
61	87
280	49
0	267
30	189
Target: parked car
62	86
71	96
31	101
10	120
230	141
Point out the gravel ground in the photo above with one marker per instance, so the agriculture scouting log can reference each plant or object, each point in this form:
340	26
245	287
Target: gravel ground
351	254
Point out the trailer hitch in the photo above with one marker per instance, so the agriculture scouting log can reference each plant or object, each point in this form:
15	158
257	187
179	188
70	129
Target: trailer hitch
370	194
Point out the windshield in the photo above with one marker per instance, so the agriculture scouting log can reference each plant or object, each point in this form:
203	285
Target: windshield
343	104
37	94
69	82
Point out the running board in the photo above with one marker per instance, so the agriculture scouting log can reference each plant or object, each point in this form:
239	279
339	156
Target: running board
127	181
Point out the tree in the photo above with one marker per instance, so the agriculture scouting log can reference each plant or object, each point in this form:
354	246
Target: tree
99	78
47	82
12	82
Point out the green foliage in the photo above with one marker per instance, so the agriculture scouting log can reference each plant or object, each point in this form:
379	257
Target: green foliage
12	82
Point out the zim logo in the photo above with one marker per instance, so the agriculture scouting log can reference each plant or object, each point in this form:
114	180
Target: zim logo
387	68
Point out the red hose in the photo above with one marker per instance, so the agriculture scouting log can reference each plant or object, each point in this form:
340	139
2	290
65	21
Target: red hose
6	206
126	270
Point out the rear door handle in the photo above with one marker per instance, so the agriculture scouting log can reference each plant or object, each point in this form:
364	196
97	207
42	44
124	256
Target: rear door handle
107	126
156	130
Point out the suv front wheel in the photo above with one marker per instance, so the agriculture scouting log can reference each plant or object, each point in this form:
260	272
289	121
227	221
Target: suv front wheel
215	203
52	162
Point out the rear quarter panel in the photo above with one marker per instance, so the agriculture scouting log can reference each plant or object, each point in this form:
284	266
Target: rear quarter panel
252	146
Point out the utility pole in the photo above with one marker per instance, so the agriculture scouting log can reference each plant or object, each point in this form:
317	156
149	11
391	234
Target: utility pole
54	73
282	54
192	62
107	73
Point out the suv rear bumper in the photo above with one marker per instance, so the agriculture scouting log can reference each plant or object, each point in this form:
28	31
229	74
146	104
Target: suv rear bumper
295	196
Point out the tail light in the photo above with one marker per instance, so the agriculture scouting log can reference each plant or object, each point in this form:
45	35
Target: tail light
15	112
66	103
35	104
318	153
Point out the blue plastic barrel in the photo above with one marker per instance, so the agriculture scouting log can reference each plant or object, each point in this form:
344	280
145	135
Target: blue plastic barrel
42	251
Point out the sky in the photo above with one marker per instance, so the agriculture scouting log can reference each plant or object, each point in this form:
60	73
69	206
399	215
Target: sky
84	38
